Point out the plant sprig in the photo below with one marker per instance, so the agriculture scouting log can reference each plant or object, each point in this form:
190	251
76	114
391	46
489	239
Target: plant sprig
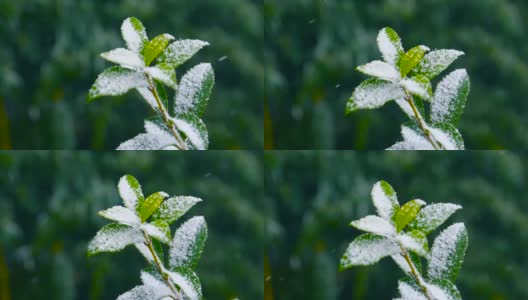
401	233
405	77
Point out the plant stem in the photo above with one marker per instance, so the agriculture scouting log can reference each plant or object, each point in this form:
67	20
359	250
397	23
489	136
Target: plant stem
161	269
422	124
415	274
152	87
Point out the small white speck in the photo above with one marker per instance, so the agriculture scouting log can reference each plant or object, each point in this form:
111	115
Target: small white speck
222	58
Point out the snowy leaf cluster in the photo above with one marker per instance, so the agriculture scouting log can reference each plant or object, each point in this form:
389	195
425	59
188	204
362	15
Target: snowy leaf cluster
148	66
401	233
405	77
145	223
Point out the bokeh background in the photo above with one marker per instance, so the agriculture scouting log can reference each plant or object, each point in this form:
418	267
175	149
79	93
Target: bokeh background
48	206
314	46
315	195
49	58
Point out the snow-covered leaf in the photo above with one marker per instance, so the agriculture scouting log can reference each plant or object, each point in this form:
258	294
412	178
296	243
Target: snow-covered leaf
418	85
153	49
435	62
114	237
413	139
125	58
384	199
145	292
437	292
411	59
381	70
367	249
447	287
164	73
157	127
156	282
373	93
415	241
188	243
120	214
173	208
145	141
134	34
130	191
448	136
432	216
194	91
406	213
180	51
450	97
194	129
159	230
116	81
188	282
447	253
146	207
390	46
376	225
409	292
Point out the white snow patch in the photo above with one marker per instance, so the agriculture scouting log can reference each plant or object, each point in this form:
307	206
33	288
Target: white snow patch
432	216
446	93
416	88
135	39
437	292
434	62
185	285
142	292
156	232
365	251
125	58
184	241
165	74
121	214
180	51
443	138
409	293
389	49
197	138
156	283
381	70
443	253
191	88
384	203
175	207
374	93
376	225
128	193
145	141
117	81
411	243
415	140
114	237
162	133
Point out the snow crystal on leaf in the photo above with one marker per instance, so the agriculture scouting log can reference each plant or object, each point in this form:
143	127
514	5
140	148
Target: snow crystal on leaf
373	93
409	293
114	237
384	199
443	138
390	46
188	243
145	141
180	51
450	97
116	81
195	130
161	132
141	292
185	285
367	249
120	214
415	140
412	243
448	253
419	86
144	250
130	191
173	208
437	61
432	216
381	70
376	225
156	283
134	34
194	91
125	58
158	232
164	73
437	292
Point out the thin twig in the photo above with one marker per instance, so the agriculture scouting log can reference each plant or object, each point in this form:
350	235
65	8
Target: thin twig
415	273
422	124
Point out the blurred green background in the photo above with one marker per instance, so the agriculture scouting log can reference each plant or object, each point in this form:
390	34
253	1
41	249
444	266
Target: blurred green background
49	58
48	206
315	195
314	46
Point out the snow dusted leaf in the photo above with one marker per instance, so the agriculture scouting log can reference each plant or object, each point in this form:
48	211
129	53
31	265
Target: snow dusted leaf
141	292
447	287
195	89
130	191
173	208
114	237
120	214
419	85
435	62
384	199
188	282
412	140
188	243
367	249
450	97
159	230
411	59
145	141
376	225
390	46
373	93
447	254
437	292
406	213
409	292
153	49
180	51
164	73
125	58
146	207
448	136
380	69
194	129
155	282
116	81
432	216
157	127
415	241
134	34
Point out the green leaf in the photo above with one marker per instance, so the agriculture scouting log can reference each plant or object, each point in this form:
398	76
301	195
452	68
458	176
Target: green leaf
373	93
419	85
148	206
154	48
188	243
381	70
194	129
435	62
130	191
407	213
411	59
187	281
390	46
448	287
448	136
194	92
164	73
116	81
134	34
447	253
432	216
180	51
159	230
173	208
384	199
114	237
450	97
367	249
